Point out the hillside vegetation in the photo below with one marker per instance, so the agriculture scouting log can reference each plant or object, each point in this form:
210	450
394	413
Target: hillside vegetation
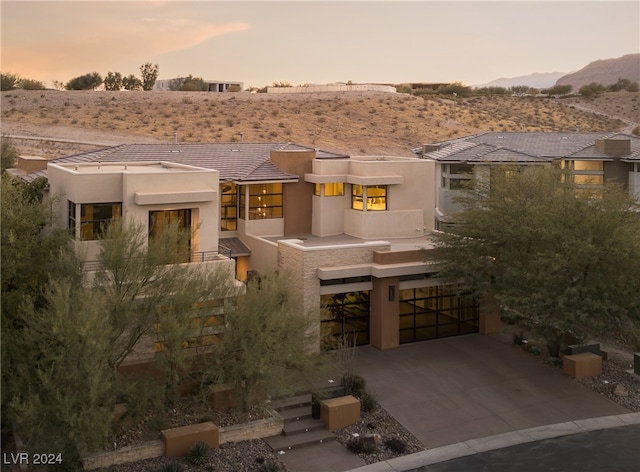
354	122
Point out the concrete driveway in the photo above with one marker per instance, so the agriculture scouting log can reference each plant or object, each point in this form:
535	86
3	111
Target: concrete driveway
455	389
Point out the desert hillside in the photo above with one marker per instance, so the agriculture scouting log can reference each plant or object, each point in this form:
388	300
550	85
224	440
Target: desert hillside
354	122
605	72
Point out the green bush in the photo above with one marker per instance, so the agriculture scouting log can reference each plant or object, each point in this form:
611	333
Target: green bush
269	467
171	467
367	402
354	385
396	445
198	454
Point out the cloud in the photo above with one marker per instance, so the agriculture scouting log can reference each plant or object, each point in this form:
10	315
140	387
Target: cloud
102	37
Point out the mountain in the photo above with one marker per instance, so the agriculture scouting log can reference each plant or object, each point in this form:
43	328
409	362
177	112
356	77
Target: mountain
539	80
605	72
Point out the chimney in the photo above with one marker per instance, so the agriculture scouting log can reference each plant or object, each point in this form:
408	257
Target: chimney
614	147
426	148
30	164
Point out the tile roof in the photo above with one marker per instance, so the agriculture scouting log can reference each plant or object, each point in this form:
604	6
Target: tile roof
235	161
526	147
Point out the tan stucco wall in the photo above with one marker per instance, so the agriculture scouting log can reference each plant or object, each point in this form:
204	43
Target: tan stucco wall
297	195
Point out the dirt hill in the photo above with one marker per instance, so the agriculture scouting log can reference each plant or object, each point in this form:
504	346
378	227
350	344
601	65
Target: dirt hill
355	122
605	72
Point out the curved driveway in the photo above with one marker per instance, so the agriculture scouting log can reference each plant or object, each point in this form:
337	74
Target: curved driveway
456	389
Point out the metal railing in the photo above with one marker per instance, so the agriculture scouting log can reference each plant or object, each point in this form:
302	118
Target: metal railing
196	257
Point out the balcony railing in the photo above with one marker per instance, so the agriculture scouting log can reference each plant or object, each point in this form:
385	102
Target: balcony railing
196	257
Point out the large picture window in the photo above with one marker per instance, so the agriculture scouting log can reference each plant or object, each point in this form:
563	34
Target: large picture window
374	196
95	218
264	201
228	206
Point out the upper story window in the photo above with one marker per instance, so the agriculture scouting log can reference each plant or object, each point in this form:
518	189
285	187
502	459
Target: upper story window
228	206
375	197
584	172
94	218
331	189
456	176
262	202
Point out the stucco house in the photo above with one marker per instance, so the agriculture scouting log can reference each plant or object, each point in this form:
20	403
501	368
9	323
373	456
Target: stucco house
353	229
590	159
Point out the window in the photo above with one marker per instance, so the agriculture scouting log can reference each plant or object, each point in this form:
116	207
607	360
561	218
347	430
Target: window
228	206
95	217
331	189
72	218
456	176
374	195
264	201
588	173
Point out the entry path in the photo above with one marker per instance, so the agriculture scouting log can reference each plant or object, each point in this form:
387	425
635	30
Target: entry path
456	389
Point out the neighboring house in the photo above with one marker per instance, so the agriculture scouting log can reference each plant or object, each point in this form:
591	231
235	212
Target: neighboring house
590	158
353	230
164	85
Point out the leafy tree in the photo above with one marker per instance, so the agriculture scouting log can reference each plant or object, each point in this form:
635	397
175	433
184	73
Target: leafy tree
188	84
65	359
624	84
559	259
591	89
131	82
85	82
457	89
8	154
265	340
519	89
113	81
492	91
558	90
9	81
149	73
30	84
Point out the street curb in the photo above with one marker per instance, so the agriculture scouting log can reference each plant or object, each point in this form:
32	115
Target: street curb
499	441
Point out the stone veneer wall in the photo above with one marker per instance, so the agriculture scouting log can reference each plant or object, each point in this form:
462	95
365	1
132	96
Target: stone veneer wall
303	262
151	449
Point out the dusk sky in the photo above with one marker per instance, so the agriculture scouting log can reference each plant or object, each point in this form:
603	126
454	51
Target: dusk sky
261	42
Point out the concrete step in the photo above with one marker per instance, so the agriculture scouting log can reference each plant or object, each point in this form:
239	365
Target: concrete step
302	426
286	443
288	403
296	414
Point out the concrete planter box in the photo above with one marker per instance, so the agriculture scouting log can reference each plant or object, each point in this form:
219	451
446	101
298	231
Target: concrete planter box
337	413
582	366
179	441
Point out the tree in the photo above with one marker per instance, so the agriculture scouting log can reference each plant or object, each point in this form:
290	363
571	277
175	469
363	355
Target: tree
558	258
149	73
266	339
9	81
30	84
89	81
113	81
624	84
558	90
8	154
591	89
131	82
64	350
188	84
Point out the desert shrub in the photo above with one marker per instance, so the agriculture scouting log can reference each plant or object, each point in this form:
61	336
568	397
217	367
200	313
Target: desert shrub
367	402
171	467
198	454
361	447
354	385
396	445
